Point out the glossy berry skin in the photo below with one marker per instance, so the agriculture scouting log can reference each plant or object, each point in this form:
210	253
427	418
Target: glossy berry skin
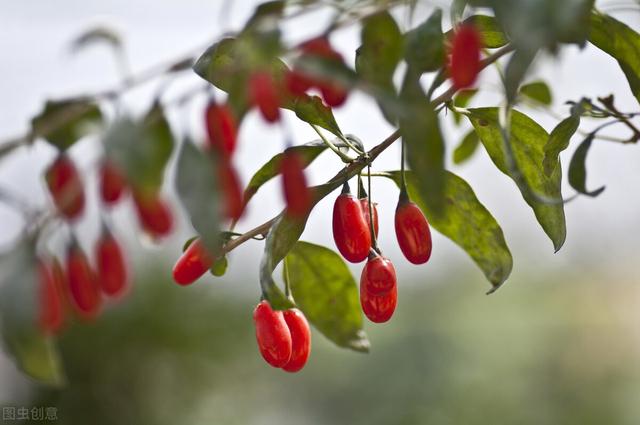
465	64
153	213
51	315
112	183
273	335
350	229
294	185
193	263
264	94
378	275
300	339
231	189
82	284
364	203
412	232
222	128
112	268
378	308
65	186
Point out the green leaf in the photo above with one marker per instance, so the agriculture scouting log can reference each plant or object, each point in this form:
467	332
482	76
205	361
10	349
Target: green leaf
467	223
141	149
62	123
379	55
267	11
466	148
34	353
312	110
324	289
558	141
492	35
578	171
527	141
516	70
538	91
620	42
424	45
196	185
420	131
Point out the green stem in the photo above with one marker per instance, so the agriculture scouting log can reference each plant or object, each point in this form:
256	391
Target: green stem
374	241
344	157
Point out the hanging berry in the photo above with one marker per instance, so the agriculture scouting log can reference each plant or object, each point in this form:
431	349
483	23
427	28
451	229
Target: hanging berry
297	83
350	228
193	263
272	334
300	339
221	128
82	283
294	185
364	203
231	189
378	308
112	268
412	231
65	186
112	183
378	275
51	314
265	95
153	213
464	64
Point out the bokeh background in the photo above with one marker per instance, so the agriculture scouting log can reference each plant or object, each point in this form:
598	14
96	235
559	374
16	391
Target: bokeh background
558	344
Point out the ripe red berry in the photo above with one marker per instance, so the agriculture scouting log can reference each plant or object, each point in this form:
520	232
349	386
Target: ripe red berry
294	185
364	203
112	268
65	186
412	232
319	46
112	183
231	189
297	83
464	64
273	335
378	275
153	213
264	94
350	228
333	94
378	308
82	283
300	339
221	128
193	263
51	315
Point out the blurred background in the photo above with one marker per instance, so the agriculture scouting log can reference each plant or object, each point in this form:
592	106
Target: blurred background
558	344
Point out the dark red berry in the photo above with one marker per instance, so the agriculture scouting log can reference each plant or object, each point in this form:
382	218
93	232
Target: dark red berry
465	65
333	94
112	268
364	203
350	228
412	232
153	213
379	308
300	339
378	275
221	128
231	188
319	46
297	83
82	283
294	185
193	263
65	186
51	315
272	334
264	94
112	183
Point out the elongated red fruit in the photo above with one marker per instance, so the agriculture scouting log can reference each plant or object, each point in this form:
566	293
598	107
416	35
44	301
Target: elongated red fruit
51	315
264	94
294	185
297	83
193	263
82	283
221	128
378	275
333	94
112	183
231	188
412	231
350	228
65	186
364	203
378	308
273	335
300	339
153	213
112	268
464	64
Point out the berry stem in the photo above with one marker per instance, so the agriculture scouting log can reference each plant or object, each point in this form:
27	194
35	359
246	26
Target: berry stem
374	241
344	157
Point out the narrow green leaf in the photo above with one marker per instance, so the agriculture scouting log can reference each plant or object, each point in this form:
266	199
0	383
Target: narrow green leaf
538	91
267	11
620	42
196	185
578	170
424	45
516	71
492	35
34	353
62	123
558	141
467	223
527	141
466	148
312	110
325	290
